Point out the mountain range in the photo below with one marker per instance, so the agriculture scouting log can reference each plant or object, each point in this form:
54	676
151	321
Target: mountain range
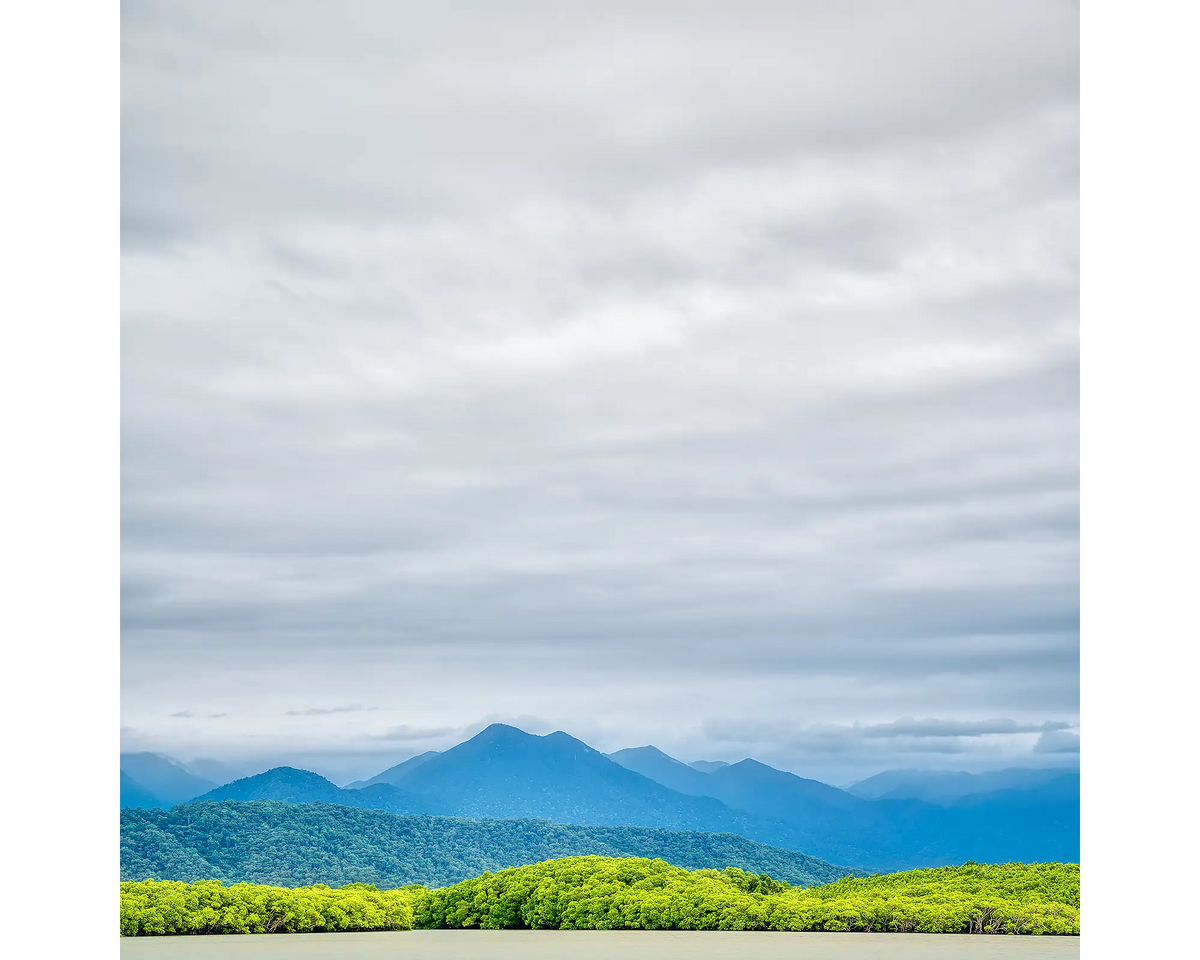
506	773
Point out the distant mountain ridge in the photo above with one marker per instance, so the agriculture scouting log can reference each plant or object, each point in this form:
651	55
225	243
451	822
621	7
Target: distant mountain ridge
133	794
289	785
163	778
948	787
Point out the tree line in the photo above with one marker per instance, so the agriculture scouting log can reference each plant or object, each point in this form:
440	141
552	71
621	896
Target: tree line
606	893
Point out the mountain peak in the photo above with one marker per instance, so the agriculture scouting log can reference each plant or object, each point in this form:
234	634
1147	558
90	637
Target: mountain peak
764	771
500	732
647	752
559	737
286	771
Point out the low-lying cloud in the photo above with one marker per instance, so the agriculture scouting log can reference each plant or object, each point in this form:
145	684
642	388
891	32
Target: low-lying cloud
1057	741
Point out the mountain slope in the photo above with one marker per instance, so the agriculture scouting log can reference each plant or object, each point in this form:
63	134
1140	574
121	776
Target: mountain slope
289	785
292	845
133	794
946	787
658	766
163	777
395	775
1036	824
1061	788
506	773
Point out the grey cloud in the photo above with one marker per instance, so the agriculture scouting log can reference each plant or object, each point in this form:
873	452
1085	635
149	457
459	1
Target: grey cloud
1057	741
396	109
611	369
326	711
850	749
183	714
409	732
908	727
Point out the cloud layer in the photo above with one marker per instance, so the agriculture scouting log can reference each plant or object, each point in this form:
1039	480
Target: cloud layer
644	371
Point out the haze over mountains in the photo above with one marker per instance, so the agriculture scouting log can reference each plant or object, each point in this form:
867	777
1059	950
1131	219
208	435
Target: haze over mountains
166	781
897	820
947	787
133	794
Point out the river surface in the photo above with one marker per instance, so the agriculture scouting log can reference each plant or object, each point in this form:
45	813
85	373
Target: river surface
599	945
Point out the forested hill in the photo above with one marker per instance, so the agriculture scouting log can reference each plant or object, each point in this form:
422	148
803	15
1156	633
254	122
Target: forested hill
291	844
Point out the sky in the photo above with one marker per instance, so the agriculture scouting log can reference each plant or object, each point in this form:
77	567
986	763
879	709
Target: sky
702	375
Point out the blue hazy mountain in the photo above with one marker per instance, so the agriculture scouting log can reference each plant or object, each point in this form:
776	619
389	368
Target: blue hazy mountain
840	826
707	766
506	773
289	785
947	787
747	785
395	775
1037	822
653	763
163	777
133	794
1060	789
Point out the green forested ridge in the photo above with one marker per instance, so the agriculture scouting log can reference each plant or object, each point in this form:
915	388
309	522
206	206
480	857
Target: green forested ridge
298	844
630	893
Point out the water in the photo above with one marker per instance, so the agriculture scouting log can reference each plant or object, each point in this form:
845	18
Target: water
599	945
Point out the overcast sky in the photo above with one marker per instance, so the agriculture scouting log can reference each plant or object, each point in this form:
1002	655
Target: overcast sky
697	375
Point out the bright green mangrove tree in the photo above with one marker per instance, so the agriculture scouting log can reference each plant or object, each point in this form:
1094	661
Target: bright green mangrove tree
608	893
